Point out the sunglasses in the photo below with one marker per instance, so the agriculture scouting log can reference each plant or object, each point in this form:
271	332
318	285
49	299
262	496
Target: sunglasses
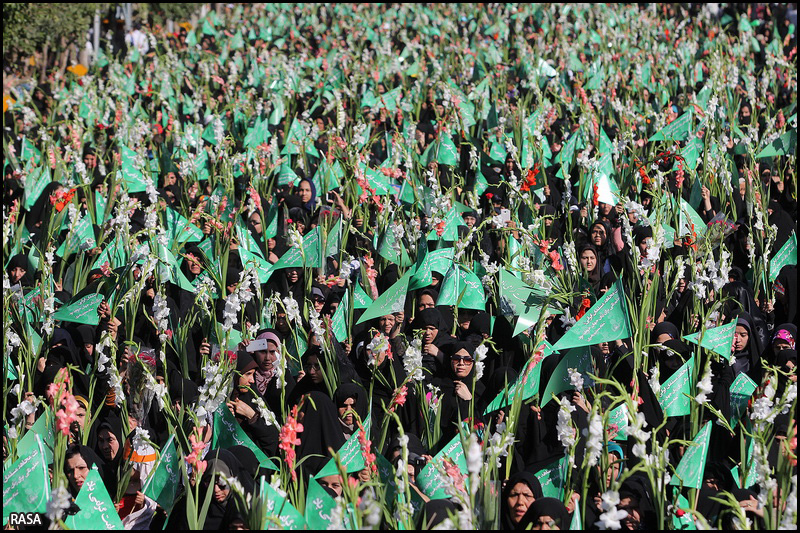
457	358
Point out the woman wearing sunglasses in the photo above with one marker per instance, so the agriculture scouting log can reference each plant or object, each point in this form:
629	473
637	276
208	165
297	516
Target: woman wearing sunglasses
460	388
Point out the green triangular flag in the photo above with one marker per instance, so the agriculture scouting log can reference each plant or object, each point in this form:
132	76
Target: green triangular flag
391	301
360	298
387	246
787	255
619	417
579	359
29	152
685	522
209	135
718	340
430	481
519	300
82	311
565	156
529	383
263	268
100	203
672	397
741	391
180	230
552	478
287	176
208	28
463	288
164	481
677	130
35	183
319	506
447	153
434	261
132	177
258	134
26	483
350	455
279	510
689	219
81	232
783	145
339	319
97	511
44	428
228	432
690	470
607	320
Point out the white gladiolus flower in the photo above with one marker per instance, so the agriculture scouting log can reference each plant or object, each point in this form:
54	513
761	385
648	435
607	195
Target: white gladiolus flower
575	378
705	387
58	503
292	310
610	519
412	361
566	433
480	356
594	444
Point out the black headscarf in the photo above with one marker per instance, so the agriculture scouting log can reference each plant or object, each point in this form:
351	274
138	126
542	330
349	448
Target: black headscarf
21	261
434	512
89	456
321	431
223	462
520	477
360	404
786	286
551	507
40	211
749	359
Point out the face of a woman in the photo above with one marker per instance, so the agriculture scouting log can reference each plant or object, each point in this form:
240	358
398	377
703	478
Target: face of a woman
266	359
16	274
333	482
195	267
313	369
221	491
386	323
426	302
430	333
519	499
108	444
81	415
588	260
462	363
345	413
77	470
740	338
292	276
247	379
304	192
255	222
598	235
544	523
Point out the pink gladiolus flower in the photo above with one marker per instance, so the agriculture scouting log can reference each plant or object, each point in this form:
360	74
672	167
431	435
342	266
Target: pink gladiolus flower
289	440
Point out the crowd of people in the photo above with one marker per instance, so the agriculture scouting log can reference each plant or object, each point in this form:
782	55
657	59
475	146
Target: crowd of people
408	266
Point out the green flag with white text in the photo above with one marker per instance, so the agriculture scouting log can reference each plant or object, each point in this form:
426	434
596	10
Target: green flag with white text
164	481
693	463
26	483
787	255
718	340
97	511
606	321
672	395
